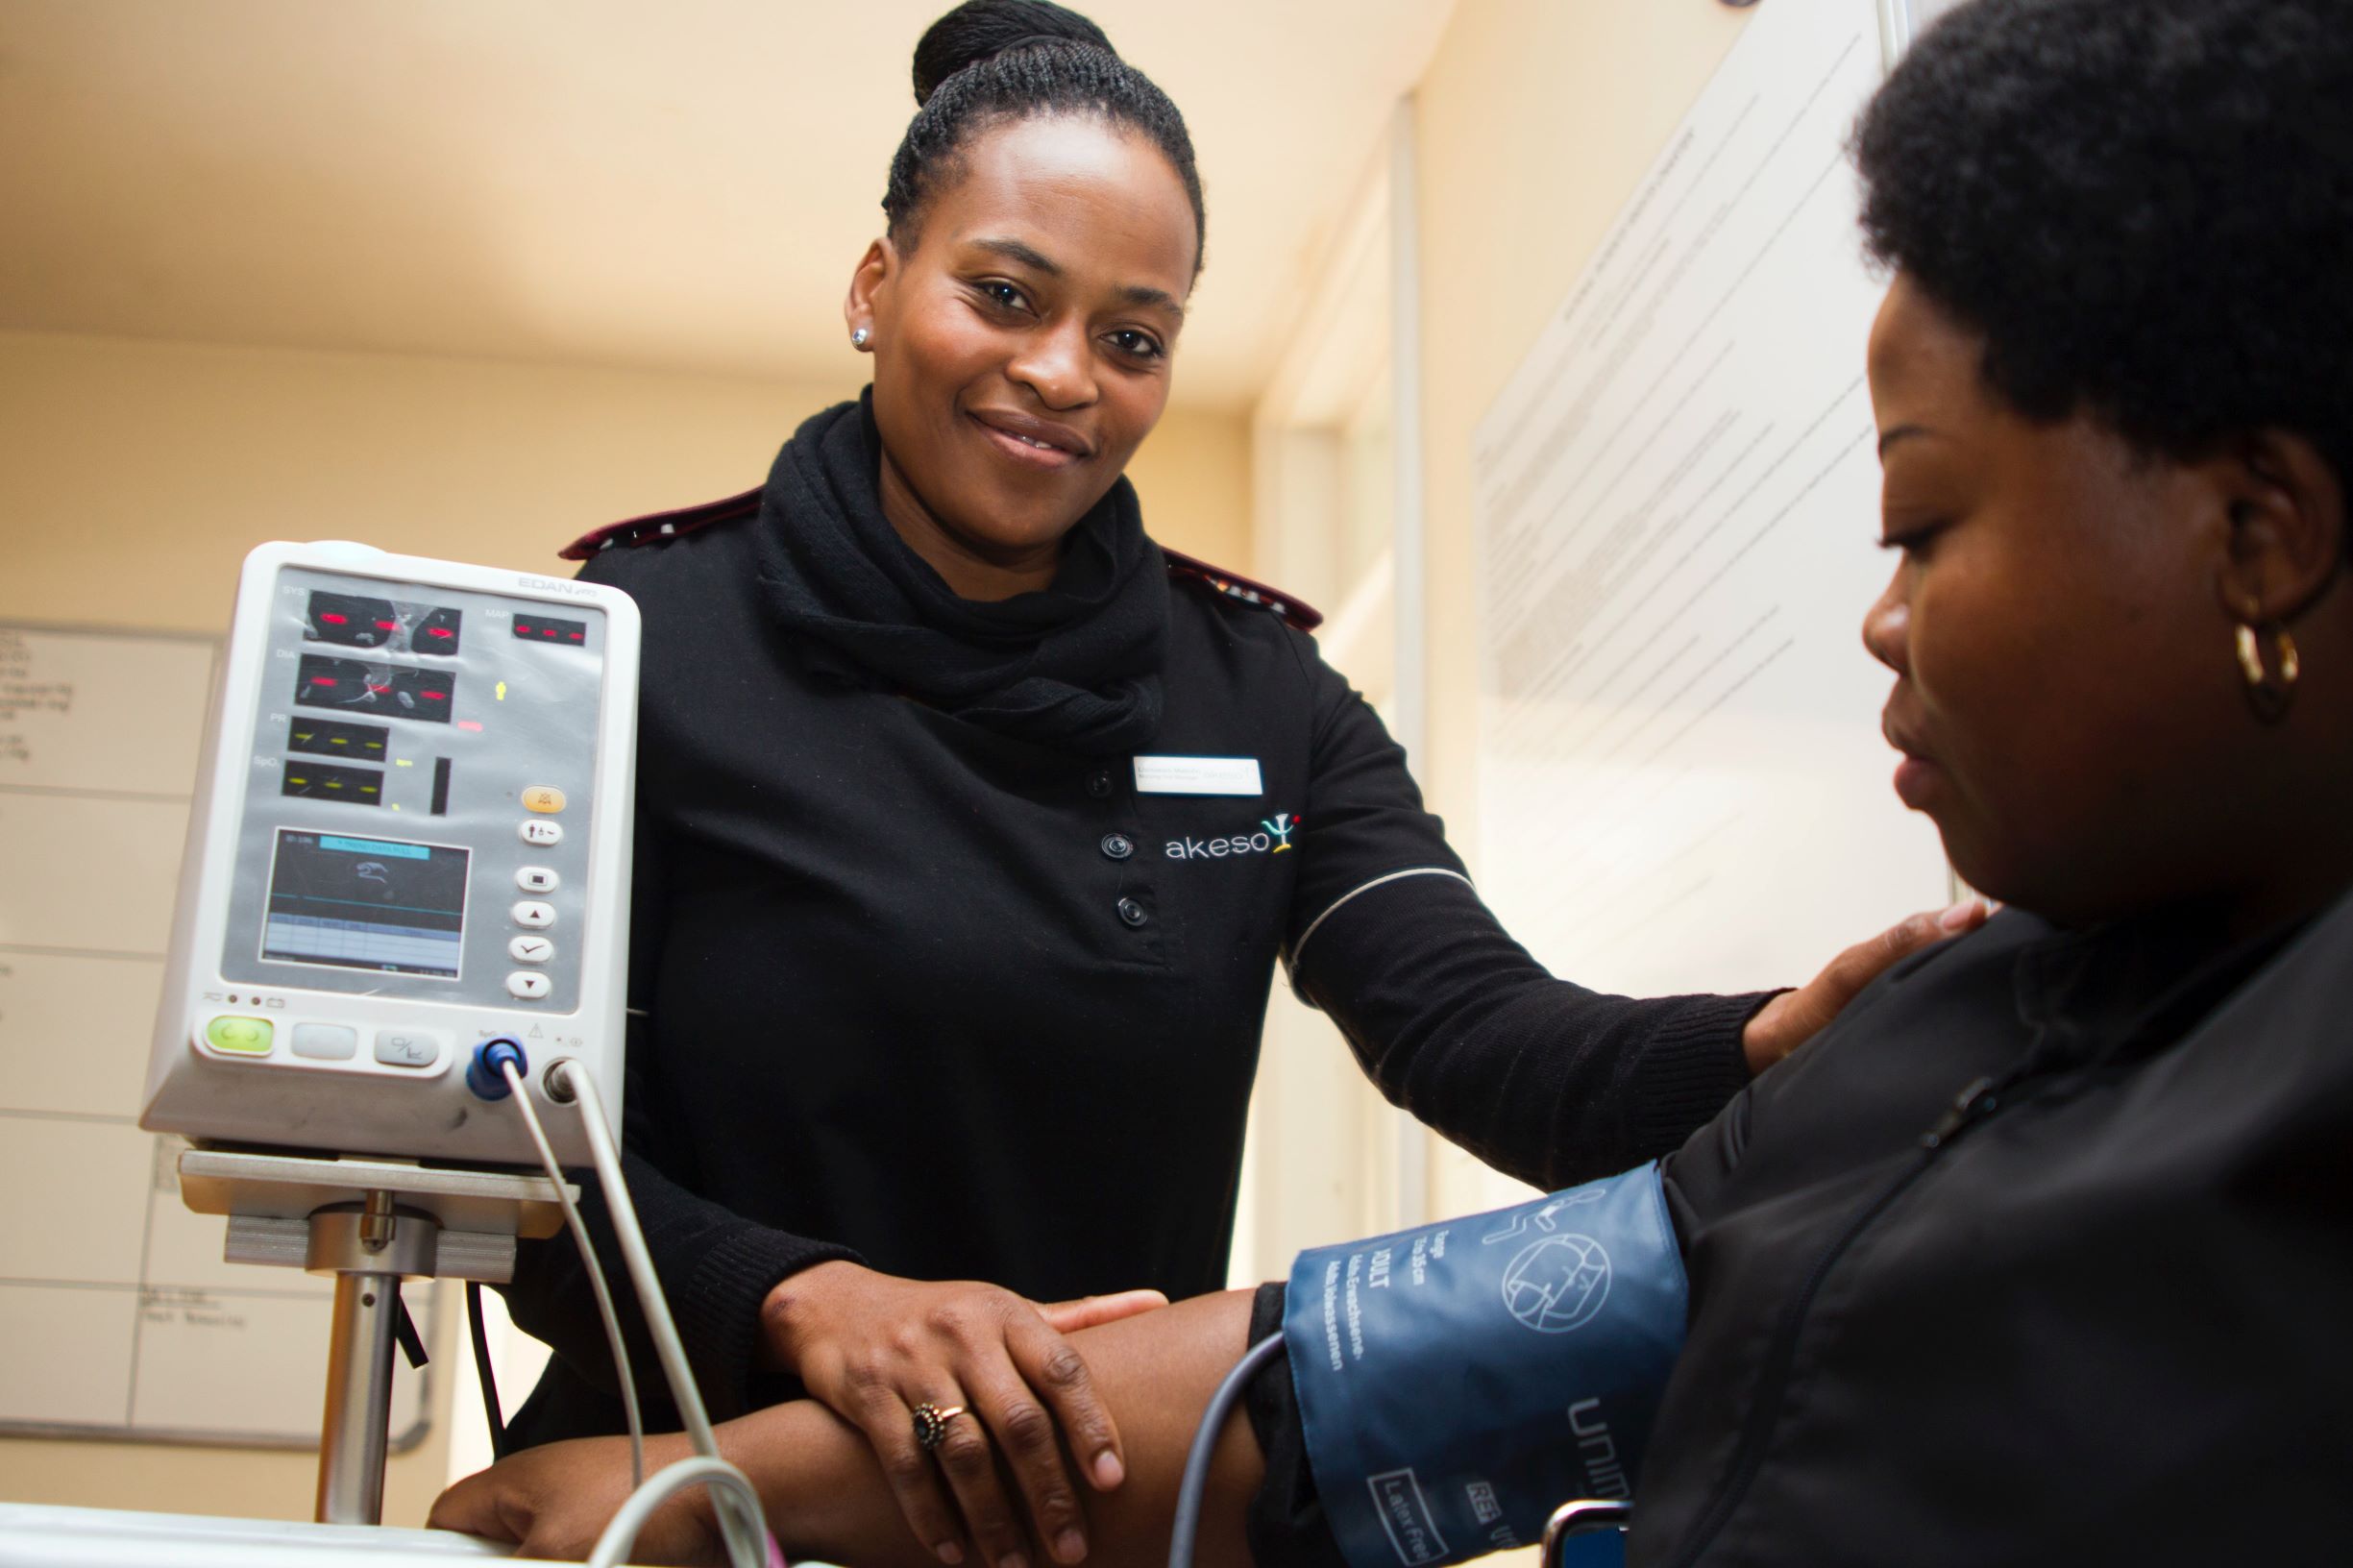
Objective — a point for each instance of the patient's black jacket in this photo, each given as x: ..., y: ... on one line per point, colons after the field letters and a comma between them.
x: 961, y: 1006
x: 2042, y: 1254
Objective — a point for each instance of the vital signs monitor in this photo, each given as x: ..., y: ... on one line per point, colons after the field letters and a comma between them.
x: 410, y: 838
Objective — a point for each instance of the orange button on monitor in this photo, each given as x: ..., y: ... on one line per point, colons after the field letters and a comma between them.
x: 544, y: 798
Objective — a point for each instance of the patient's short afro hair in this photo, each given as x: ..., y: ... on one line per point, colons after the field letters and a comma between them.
x: 2144, y: 205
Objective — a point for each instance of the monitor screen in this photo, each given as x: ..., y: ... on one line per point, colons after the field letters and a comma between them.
x: 357, y: 904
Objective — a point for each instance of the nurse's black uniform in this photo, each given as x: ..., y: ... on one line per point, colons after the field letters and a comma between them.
x: 922, y: 978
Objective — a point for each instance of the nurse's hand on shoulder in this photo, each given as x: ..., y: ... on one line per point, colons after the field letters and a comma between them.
x: 1795, y: 1016
x: 873, y: 1347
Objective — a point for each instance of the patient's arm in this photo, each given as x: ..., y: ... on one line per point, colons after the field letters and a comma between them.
x: 826, y: 1494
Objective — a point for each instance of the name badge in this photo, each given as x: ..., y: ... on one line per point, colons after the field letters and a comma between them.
x: 1198, y: 775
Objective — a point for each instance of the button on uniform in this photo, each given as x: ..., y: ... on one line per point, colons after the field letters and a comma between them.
x: 1117, y: 846
x: 1098, y: 784
x: 1132, y: 913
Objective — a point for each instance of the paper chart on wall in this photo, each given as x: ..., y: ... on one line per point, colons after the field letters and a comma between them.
x: 1681, y: 781
x: 118, y: 1317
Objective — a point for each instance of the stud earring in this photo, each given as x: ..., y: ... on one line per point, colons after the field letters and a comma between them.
x: 2269, y: 691
x: 858, y: 339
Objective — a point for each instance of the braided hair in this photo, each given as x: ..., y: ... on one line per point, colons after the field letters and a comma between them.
x: 991, y: 62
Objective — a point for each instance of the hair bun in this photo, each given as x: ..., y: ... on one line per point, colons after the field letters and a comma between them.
x: 981, y: 30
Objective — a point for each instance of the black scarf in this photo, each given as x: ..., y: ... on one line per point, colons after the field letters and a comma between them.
x: 1075, y: 666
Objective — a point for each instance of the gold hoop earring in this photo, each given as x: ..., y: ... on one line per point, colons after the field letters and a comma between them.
x: 2269, y: 692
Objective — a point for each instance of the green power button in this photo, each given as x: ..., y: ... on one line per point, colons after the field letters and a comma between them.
x: 250, y: 1036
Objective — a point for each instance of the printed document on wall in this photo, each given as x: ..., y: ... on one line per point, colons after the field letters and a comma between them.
x: 1682, y: 780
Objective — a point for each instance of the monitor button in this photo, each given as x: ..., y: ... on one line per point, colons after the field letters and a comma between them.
x: 407, y: 1048
x: 525, y: 985
x: 543, y: 798
x: 534, y: 914
x: 536, y: 880
x: 541, y: 833
x: 326, y: 1041
x: 245, y: 1037
x: 529, y: 949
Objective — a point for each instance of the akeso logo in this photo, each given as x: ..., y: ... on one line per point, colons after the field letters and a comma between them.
x: 1272, y: 838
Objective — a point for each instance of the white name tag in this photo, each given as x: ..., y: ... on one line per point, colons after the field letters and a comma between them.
x: 1198, y: 775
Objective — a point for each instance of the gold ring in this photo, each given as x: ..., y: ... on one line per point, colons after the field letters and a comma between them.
x: 931, y: 1424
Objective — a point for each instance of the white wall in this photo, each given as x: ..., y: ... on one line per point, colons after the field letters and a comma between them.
x: 1536, y: 120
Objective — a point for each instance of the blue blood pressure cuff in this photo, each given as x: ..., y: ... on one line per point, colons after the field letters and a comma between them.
x: 1458, y: 1383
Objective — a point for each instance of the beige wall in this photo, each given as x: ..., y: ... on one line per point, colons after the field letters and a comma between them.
x: 1535, y: 121
x: 135, y: 476
x: 238, y: 1482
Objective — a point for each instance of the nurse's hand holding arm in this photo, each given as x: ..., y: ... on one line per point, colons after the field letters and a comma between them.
x: 822, y: 1481
x: 872, y: 1347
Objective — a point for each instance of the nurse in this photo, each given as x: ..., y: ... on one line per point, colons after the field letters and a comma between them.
x: 972, y: 825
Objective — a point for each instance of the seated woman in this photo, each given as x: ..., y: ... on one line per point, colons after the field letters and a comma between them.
x: 2043, y: 1252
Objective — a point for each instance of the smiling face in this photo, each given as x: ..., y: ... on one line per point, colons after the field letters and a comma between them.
x: 2061, y: 623
x: 1023, y: 343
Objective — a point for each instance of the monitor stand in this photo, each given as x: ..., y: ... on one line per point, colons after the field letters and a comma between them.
x: 370, y: 1223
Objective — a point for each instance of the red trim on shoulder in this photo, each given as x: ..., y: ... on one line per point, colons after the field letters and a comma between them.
x: 653, y: 525
x: 1233, y: 585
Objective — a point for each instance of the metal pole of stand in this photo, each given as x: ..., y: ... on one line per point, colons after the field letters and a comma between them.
x: 353, y: 1438
x: 369, y: 1247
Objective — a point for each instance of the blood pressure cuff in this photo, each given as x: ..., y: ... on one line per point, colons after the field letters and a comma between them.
x: 1458, y: 1383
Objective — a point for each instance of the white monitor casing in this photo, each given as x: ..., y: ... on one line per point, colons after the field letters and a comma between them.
x: 410, y: 836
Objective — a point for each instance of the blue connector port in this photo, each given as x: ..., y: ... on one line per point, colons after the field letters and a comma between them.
x: 484, y: 1075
